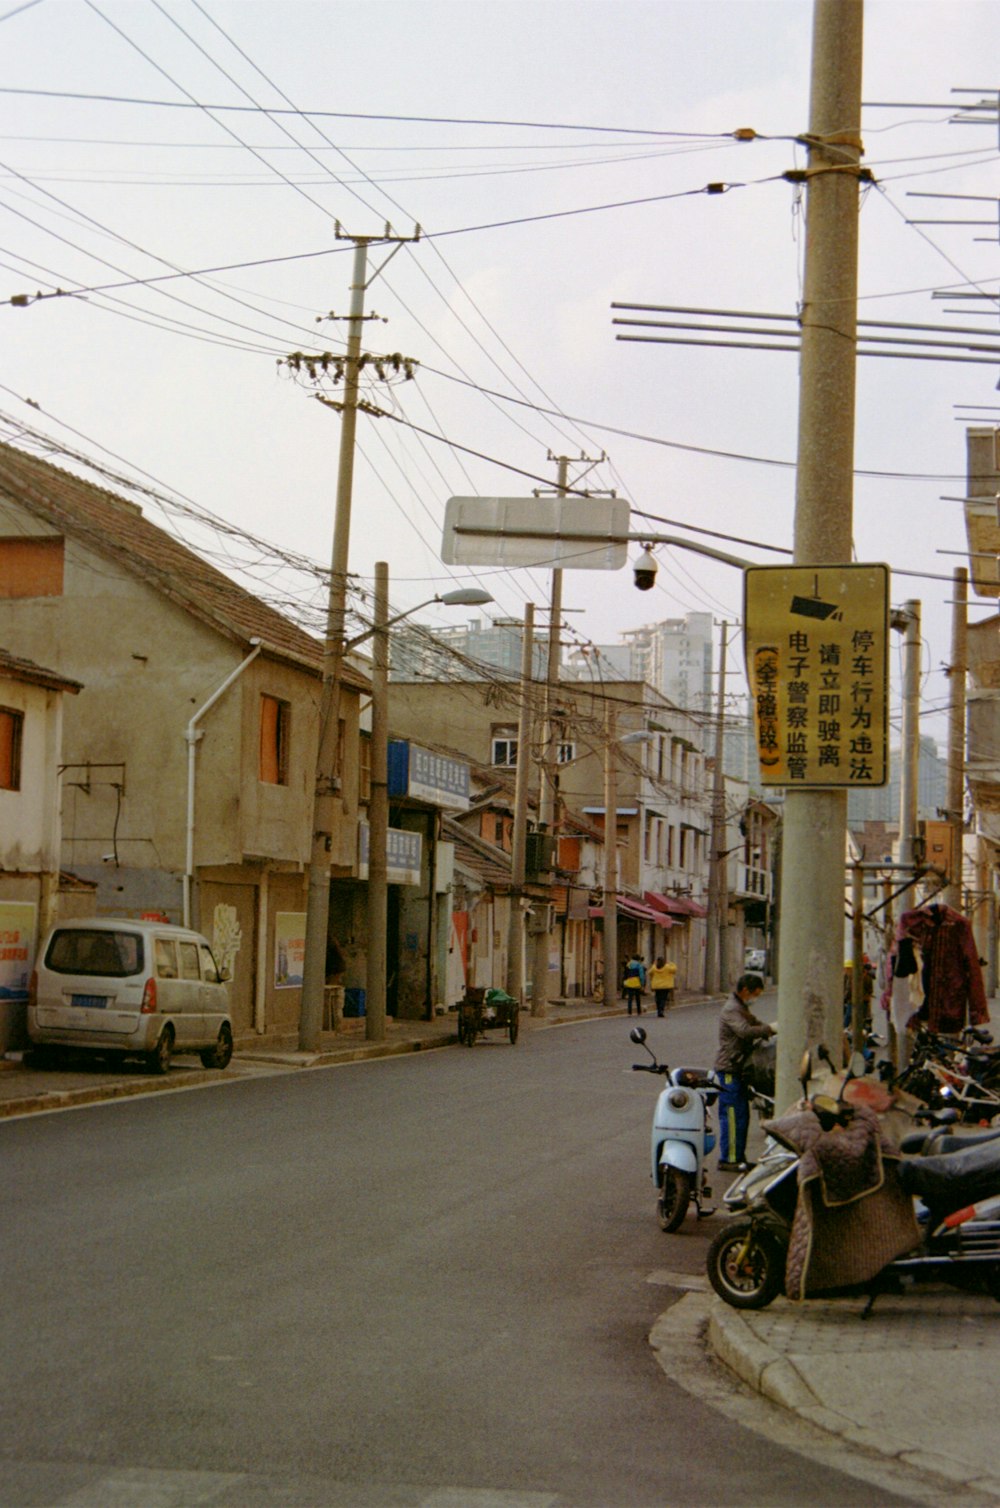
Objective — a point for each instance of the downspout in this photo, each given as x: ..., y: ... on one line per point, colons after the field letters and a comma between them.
x: 193, y: 737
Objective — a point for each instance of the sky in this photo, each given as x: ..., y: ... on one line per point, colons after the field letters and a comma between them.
x: 555, y: 155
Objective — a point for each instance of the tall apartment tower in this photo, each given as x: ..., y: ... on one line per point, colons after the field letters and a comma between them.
x: 674, y: 656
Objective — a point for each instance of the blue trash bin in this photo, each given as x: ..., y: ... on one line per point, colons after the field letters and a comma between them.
x: 354, y: 1002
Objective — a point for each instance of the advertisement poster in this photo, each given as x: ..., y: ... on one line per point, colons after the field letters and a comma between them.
x: 18, y: 923
x: 289, y: 949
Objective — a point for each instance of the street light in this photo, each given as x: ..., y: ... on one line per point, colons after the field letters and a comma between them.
x: 378, y: 803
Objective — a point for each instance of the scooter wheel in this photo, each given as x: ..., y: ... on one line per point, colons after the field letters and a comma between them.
x: 675, y: 1196
x: 746, y: 1265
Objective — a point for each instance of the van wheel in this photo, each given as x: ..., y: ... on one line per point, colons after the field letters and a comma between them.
x: 219, y: 1055
x: 158, y: 1061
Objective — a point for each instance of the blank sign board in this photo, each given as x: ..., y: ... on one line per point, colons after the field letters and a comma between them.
x: 571, y: 533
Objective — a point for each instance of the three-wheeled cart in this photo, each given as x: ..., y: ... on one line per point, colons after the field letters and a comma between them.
x: 481, y: 1011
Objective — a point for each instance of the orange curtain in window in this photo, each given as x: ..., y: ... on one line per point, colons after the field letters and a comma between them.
x: 270, y: 769
x: 8, y: 747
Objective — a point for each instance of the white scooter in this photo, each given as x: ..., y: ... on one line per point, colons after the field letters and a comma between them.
x: 683, y: 1137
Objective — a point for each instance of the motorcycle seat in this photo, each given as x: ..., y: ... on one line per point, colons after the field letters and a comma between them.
x: 937, y: 1140
x: 952, y: 1179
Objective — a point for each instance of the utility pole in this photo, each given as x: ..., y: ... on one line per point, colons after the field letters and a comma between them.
x: 515, y: 926
x: 548, y: 763
x: 547, y: 767
x: 610, y: 907
x: 956, y: 734
x: 715, y: 959
x: 327, y: 779
x: 810, y: 992
x: 909, y: 752
x: 378, y: 815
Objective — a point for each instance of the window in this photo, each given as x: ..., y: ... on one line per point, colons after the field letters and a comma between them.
x: 189, y: 960
x: 31, y: 567
x: 82, y: 950
x: 166, y: 959
x: 565, y: 753
x: 209, y: 970
x: 504, y: 745
x: 275, y: 717
x: 11, y: 731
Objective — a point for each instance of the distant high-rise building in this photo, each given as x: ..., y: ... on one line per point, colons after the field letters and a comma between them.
x: 674, y: 656
x: 882, y: 804
x: 462, y: 653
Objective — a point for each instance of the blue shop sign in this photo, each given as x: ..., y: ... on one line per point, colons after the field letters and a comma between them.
x: 404, y: 851
x: 424, y: 776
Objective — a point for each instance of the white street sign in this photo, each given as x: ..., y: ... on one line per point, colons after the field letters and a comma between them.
x: 571, y: 533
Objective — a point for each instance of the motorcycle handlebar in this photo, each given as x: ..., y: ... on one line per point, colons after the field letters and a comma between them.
x: 650, y: 1068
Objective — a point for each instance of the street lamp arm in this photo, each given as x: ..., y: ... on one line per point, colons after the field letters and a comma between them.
x: 463, y: 597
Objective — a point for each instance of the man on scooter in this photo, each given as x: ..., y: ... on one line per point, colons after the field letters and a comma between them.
x: 739, y: 1029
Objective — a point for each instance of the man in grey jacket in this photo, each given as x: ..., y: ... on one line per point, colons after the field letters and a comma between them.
x: 739, y: 1030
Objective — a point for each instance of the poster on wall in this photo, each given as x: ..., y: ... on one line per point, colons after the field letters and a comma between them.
x: 18, y: 924
x: 289, y: 949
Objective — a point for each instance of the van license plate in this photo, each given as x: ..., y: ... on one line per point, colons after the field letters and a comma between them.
x: 90, y: 1002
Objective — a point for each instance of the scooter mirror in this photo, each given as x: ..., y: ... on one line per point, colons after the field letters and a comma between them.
x: 637, y: 1035
x: 857, y: 1067
x: 805, y: 1070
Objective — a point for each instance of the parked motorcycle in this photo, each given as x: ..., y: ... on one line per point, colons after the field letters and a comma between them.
x: 849, y: 1212
x: 682, y: 1137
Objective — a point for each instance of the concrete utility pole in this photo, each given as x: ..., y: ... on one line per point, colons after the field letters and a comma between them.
x: 715, y: 950
x: 810, y: 993
x: 378, y: 815
x: 956, y: 734
x: 909, y: 750
x: 609, y: 924
x: 515, y: 928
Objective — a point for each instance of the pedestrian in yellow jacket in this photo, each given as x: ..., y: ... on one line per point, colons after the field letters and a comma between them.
x: 662, y: 978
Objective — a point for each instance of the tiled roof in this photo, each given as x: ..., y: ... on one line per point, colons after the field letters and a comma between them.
x: 16, y: 669
x: 488, y: 863
x: 116, y: 528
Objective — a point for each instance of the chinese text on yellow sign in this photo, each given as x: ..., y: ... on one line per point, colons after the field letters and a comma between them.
x: 817, y: 647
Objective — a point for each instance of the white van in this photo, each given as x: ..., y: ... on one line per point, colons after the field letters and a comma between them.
x: 130, y: 988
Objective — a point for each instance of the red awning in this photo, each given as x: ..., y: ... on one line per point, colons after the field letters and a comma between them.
x: 636, y: 910
x: 676, y: 905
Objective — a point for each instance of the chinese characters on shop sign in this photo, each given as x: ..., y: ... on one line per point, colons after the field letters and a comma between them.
x: 817, y: 645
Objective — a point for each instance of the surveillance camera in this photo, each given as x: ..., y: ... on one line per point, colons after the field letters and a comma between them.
x: 645, y: 571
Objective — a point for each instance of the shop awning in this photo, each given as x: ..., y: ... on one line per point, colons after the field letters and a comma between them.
x: 627, y: 906
x: 674, y: 905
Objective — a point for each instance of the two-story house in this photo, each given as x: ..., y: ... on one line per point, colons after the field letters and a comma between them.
x: 189, y: 756
x: 31, y: 712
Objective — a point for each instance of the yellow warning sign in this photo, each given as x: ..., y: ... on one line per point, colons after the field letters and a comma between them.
x: 817, y: 652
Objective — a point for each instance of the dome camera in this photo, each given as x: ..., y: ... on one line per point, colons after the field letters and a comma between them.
x: 645, y: 571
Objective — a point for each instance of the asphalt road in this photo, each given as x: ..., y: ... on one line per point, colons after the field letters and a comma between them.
x: 419, y: 1281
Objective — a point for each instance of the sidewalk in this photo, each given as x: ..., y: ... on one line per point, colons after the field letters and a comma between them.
x: 914, y: 1382
x: 25, y: 1090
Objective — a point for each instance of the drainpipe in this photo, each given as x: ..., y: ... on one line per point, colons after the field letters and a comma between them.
x: 193, y: 737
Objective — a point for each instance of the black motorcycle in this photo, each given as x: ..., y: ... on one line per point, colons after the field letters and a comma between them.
x: 851, y: 1213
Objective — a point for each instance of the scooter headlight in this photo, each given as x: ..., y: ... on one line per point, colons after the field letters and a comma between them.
x: 678, y: 1099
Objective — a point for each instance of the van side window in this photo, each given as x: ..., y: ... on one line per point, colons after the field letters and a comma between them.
x: 166, y: 959
x: 189, y: 960
x: 208, y: 967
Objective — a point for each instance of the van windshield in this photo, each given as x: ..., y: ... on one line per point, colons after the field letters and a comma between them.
x: 79, y: 950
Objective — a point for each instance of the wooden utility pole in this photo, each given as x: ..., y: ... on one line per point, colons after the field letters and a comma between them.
x: 327, y: 776
x: 515, y: 928
x: 810, y: 993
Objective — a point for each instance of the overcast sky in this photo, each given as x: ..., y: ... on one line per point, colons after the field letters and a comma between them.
x: 498, y: 122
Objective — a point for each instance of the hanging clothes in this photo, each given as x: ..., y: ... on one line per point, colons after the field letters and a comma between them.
x: 950, y: 972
